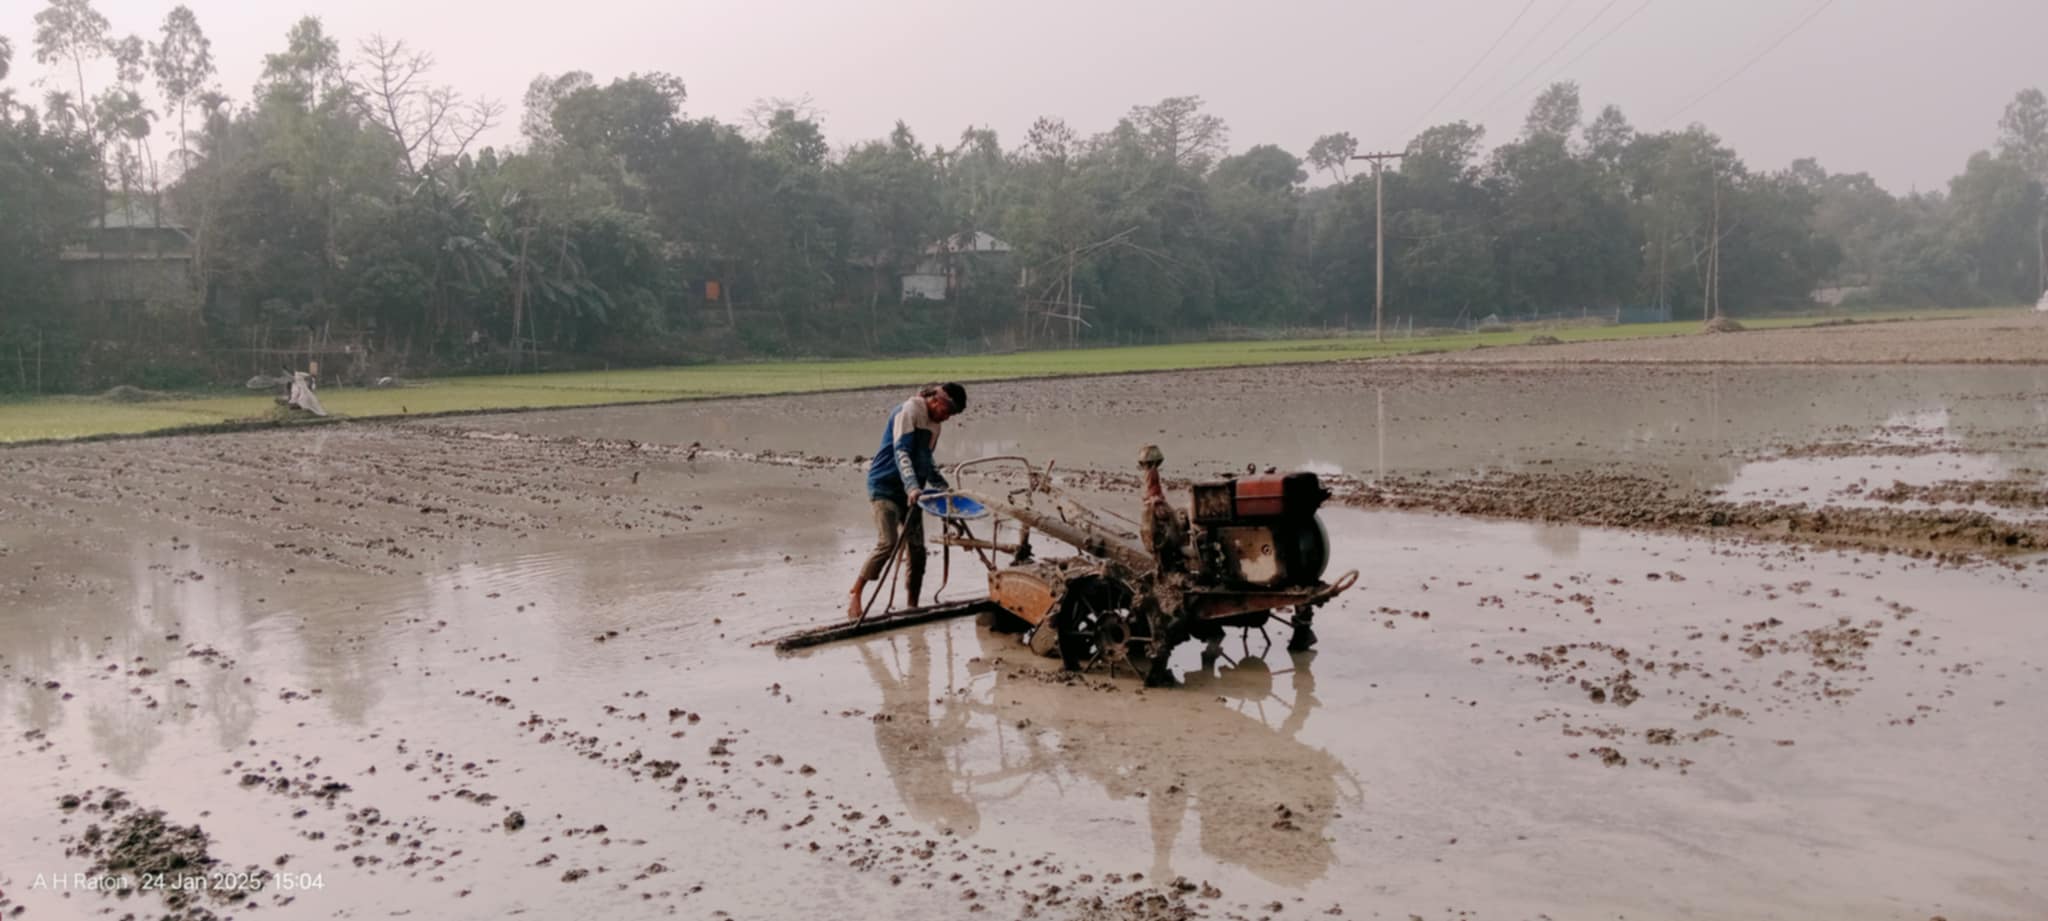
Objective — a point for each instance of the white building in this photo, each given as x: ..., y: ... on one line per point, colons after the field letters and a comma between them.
x: 937, y: 274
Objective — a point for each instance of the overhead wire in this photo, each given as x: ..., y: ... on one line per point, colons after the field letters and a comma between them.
x: 1581, y: 55
x: 1495, y: 101
x: 1773, y: 46
x: 1530, y: 43
x: 1604, y: 36
x: 1426, y: 113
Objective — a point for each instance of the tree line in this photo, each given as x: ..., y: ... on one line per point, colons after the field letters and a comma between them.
x: 347, y: 192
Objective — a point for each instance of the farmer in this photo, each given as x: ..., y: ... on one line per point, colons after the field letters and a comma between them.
x: 903, y: 469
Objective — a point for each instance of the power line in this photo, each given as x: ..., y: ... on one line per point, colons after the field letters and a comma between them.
x: 1773, y: 46
x: 1554, y: 17
x: 1554, y: 53
x: 1426, y: 113
x: 1604, y: 36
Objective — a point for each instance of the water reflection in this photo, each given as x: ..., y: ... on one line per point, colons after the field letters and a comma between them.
x: 1224, y: 751
x: 915, y: 739
x: 1917, y: 447
x: 1268, y: 808
x: 115, y: 634
x: 1696, y: 424
x: 1561, y: 540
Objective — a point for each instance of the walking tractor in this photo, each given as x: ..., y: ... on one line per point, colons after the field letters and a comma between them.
x: 1245, y: 549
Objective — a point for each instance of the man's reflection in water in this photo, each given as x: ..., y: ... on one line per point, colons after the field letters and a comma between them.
x: 914, y: 746
x: 1262, y: 799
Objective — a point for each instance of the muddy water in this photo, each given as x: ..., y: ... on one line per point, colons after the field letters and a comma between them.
x: 463, y: 628
x: 1421, y: 770
x: 177, y: 676
x: 1702, y: 425
x: 1915, y: 449
x: 1417, y: 764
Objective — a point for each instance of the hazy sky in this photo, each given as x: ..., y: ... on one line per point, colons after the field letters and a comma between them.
x: 1902, y: 89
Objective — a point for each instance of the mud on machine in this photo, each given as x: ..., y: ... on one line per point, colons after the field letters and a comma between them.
x: 1243, y: 550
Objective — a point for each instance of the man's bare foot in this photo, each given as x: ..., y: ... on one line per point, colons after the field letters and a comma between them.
x: 853, y: 606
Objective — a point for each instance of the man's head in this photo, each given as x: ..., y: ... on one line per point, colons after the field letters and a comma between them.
x: 944, y: 401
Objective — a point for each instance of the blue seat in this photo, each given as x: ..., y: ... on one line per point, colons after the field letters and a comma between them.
x: 952, y: 506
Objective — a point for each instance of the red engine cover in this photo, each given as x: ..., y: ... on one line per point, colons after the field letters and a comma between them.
x: 1261, y: 496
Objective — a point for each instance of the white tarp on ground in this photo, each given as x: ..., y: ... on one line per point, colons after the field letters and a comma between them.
x: 302, y: 394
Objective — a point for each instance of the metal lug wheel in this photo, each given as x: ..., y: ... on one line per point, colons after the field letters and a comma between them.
x: 1097, y: 626
x: 1123, y: 639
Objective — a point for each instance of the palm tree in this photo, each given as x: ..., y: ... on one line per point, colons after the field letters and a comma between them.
x: 61, y: 111
x: 125, y: 120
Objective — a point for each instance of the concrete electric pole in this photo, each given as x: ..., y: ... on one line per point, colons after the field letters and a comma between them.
x: 1379, y: 246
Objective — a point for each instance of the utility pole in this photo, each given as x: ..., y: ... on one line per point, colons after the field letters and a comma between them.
x: 1714, y: 257
x: 1379, y: 245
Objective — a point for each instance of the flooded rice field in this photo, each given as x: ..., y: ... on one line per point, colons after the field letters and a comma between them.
x: 1703, y: 425
x: 506, y: 665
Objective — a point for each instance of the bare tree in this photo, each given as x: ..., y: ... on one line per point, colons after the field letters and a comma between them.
x: 430, y: 122
x: 761, y: 115
x: 1180, y: 132
x: 1049, y: 138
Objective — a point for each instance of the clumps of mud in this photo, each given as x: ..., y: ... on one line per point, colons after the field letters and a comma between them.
x: 1021, y: 672
x: 1628, y: 501
x: 1611, y: 755
x: 799, y: 808
x: 2014, y: 494
x: 1864, y: 449
x: 1721, y: 325
x: 1568, y: 662
x: 1836, y: 653
x: 148, y: 855
x: 1619, y: 688
x: 1541, y: 339
x: 1170, y: 904
x: 1836, y: 647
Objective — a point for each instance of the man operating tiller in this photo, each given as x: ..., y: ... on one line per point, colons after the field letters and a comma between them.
x: 902, y: 470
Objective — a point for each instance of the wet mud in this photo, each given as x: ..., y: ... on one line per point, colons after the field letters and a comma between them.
x: 477, y: 670
x: 2013, y: 494
x: 135, y: 854
x: 1621, y: 501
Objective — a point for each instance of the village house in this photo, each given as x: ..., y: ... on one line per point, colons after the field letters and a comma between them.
x: 135, y: 264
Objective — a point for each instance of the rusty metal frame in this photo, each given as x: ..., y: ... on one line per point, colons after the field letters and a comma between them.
x: 1165, y: 597
x: 1218, y: 604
